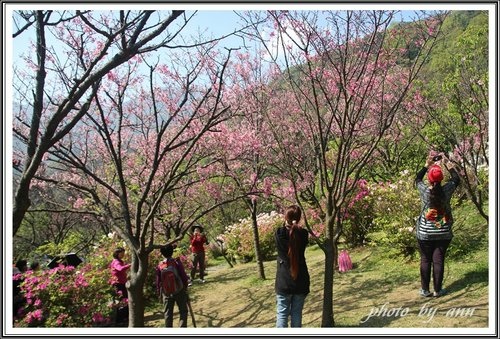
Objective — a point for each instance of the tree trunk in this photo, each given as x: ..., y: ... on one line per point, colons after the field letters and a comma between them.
x: 256, y: 242
x: 227, y: 260
x: 21, y: 205
x: 327, y: 316
x: 34, y: 158
x: 135, y: 288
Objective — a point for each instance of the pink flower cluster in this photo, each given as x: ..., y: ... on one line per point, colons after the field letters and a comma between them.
x: 65, y: 297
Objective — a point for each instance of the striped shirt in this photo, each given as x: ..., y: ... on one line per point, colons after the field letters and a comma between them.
x: 427, y: 230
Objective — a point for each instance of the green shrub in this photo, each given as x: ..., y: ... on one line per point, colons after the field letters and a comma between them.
x: 215, y: 250
x: 396, y: 206
x: 238, y: 240
x: 470, y: 231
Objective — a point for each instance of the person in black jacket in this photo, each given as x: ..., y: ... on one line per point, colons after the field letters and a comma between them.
x: 292, y: 277
x: 434, y: 225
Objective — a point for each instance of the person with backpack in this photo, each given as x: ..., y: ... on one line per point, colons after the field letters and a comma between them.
x: 171, y: 286
x: 292, y: 276
x: 197, y: 240
x: 434, y: 224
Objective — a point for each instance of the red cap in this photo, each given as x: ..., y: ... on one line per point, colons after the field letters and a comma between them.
x: 435, y: 174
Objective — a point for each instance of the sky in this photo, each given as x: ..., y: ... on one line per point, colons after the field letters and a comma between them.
x: 217, y: 19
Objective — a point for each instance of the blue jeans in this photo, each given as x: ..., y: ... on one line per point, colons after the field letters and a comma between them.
x: 289, y: 305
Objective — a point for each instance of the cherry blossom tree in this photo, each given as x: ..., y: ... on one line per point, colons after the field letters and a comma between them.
x: 245, y: 140
x: 139, y: 141
x: 401, y: 147
x: 73, y: 51
x: 349, y: 78
x: 460, y: 123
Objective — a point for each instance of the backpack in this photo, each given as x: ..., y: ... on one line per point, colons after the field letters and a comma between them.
x: 170, y: 280
x: 345, y: 263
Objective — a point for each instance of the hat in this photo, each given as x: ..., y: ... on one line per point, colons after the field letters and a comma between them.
x: 167, y: 250
x: 197, y: 226
x: 435, y: 174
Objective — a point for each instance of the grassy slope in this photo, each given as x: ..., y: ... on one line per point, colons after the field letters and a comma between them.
x: 234, y: 297
x: 379, y: 284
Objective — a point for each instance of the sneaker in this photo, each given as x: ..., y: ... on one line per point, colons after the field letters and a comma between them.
x: 425, y: 293
x: 440, y: 293
x: 190, y: 283
x: 202, y: 280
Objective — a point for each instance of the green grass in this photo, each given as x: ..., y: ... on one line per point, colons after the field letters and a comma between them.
x: 369, y: 296
x: 235, y: 297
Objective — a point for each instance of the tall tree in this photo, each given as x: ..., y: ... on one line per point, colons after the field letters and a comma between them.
x: 349, y: 77
x: 74, y: 51
x: 457, y: 104
x: 245, y: 143
x: 141, y: 139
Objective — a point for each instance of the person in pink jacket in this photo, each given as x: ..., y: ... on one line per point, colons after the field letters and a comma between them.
x: 118, y: 279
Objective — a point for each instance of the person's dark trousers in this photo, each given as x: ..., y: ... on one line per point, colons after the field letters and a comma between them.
x: 168, y: 303
x: 121, y: 290
x: 432, y: 253
x: 198, y: 261
x: 122, y: 311
x: 19, y: 302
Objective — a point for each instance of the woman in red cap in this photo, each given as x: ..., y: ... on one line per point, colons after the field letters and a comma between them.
x: 434, y: 225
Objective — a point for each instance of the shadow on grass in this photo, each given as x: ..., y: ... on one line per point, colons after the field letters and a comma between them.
x: 231, y: 274
x: 249, y: 313
x: 378, y: 291
x: 253, y: 309
x: 465, y: 284
x: 155, y: 317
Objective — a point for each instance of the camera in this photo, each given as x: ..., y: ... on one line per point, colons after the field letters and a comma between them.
x: 437, y: 157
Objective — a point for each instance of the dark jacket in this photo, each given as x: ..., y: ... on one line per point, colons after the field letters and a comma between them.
x: 284, y: 284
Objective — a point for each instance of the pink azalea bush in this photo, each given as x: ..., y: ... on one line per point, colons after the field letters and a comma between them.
x: 358, y: 216
x: 69, y: 296
x: 66, y: 297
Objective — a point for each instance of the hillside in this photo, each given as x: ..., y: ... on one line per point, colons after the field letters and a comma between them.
x: 386, y: 287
